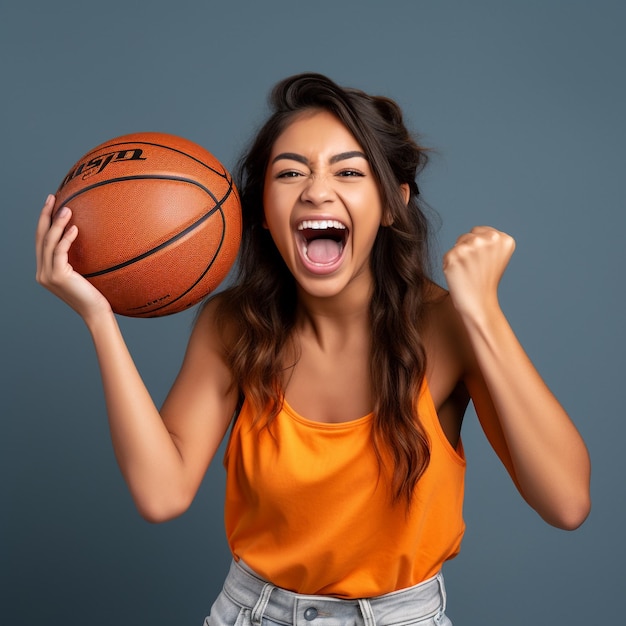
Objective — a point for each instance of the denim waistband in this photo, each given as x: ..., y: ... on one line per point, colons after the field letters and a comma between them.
x: 242, y: 586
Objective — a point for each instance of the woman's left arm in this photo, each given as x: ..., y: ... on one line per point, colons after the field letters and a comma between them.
x: 530, y: 430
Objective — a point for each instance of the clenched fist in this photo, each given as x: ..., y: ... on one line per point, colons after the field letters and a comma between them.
x: 473, y: 269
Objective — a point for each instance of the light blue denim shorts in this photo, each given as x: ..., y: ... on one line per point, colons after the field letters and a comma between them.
x: 247, y: 600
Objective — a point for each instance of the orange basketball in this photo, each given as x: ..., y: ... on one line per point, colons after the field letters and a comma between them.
x: 159, y: 222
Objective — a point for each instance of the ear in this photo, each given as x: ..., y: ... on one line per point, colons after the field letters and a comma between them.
x: 406, y: 192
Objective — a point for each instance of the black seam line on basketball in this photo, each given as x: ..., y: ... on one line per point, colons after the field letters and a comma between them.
x: 217, y: 207
x: 159, y: 145
x: 202, y: 275
x: 123, y: 179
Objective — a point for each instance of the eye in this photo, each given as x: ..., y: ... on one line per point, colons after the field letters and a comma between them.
x: 288, y: 174
x: 350, y: 173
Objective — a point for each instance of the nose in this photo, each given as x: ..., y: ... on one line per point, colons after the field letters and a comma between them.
x: 317, y: 190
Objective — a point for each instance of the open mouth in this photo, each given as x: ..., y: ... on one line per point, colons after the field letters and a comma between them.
x: 322, y: 241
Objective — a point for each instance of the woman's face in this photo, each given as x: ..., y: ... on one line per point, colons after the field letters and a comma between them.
x: 322, y: 204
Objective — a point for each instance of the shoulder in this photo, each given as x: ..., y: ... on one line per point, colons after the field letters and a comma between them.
x: 216, y: 323
x: 448, y: 350
x: 210, y: 343
x: 440, y: 321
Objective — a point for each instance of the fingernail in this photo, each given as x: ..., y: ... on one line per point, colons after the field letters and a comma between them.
x: 49, y: 197
x: 63, y: 211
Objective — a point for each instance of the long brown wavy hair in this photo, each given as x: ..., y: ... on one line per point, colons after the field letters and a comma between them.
x: 261, y: 306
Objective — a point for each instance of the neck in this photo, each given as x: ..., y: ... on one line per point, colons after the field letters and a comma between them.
x: 335, y: 320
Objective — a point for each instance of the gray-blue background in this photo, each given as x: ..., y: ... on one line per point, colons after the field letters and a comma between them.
x: 524, y: 103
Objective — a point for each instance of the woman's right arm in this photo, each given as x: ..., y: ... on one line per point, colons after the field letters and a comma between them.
x: 163, y: 455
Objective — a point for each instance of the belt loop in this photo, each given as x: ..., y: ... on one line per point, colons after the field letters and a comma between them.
x: 366, y: 611
x: 261, y: 603
x: 442, y: 590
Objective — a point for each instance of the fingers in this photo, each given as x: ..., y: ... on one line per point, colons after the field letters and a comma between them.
x: 473, y: 268
x: 477, y: 232
x: 53, y: 241
x: 61, y: 250
x: 43, y: 225
x: 483, y: 251
x: 54, y: 238
x: 481, y: 236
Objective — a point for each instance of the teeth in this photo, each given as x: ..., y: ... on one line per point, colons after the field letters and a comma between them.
x: 321, y: 225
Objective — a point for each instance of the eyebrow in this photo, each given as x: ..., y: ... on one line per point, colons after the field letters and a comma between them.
x: 342, y: 156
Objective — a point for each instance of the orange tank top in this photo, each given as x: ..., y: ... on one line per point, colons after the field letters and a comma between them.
x: 308, y: 509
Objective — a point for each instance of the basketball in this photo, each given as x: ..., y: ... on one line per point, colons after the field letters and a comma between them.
x: 159, y: 222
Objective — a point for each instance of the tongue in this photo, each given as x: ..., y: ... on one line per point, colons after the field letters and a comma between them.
x: 323, y: 250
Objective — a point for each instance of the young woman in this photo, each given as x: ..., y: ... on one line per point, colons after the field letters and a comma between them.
x: 344, y: 372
